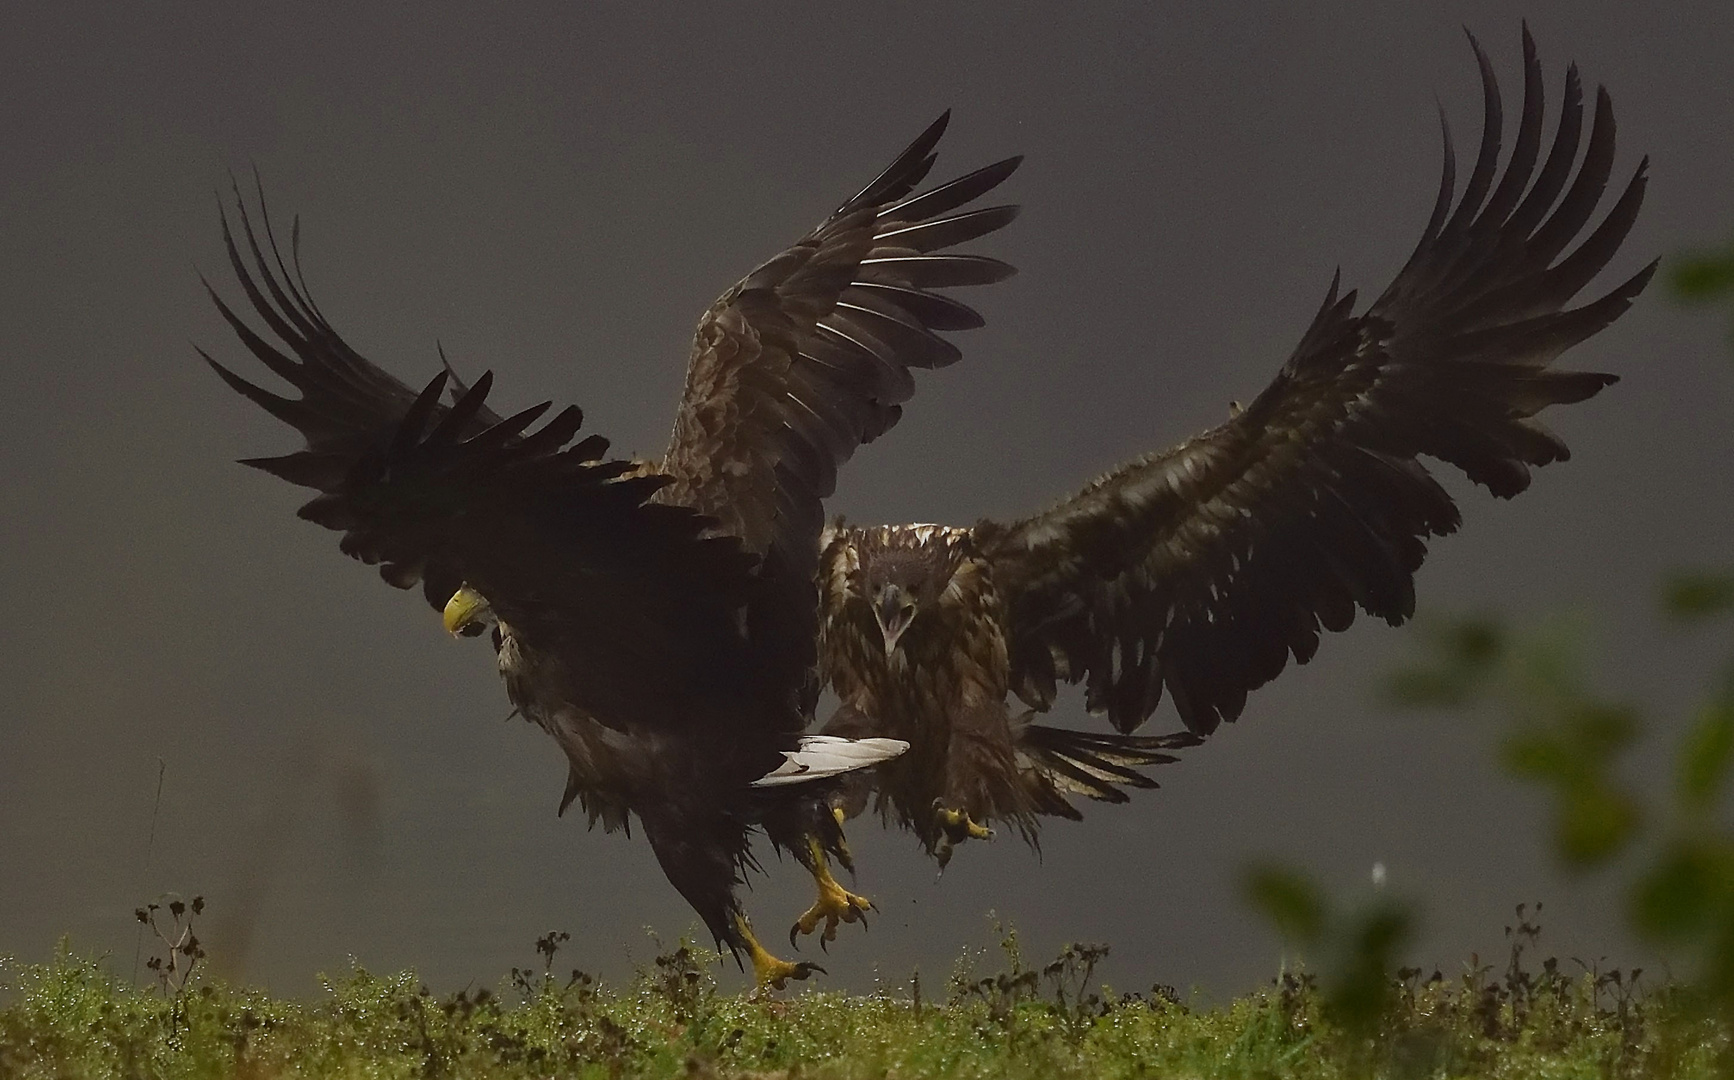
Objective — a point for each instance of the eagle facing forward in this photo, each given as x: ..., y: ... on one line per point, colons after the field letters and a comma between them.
x: 1201, y: 570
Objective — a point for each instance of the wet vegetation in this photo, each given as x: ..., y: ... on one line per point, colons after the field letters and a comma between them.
x: 72, y: 1017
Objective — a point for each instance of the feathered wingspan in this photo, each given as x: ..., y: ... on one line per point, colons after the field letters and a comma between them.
x: 448, y: 494
x: 1204, y: 568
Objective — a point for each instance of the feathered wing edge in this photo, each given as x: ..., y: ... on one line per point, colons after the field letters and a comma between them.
x: 1203, y: 569
x: 810, y: 355
x: 1062, y: 762
x: 400, y: 474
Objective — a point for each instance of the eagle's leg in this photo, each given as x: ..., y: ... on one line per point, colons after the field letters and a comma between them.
x: 769, y: 973
x: 840, y: 815
x: 834, y: 905
x: 702, y: 854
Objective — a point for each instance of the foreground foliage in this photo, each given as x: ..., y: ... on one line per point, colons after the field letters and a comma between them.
x: 1567, y: 736
x: 72, y: 1018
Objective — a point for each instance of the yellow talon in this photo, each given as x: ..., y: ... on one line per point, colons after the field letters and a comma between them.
x: 961, y: 826
x: 834, y: 905
x: 770, y: 973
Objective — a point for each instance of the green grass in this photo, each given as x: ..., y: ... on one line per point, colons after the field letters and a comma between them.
x: 72, y: 1018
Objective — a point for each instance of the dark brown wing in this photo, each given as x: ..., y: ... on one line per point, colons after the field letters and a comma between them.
x: 551, y: 533
x: 1204, y: 568
x: 809, y: 356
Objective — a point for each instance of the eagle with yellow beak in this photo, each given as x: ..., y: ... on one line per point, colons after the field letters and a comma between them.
x: 658, y: 620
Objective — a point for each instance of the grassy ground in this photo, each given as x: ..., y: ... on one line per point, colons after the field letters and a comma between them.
x: 72, y: 1018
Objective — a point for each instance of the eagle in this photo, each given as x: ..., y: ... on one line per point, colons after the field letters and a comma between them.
x: 1202, y: 569
x: 658, y: 619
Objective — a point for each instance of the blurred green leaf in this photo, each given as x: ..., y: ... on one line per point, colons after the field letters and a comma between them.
x: 1600, y: 731
x: 1541, y: 755
x: 1594, y: 822
x: 1464, y: 653
x: 1289, y: 900
x: 1359, y: 992
x: 1681, y: 895
x: 1429, y: 688
x: 1474, y: 643
x: 1702, y: 276
x: 1697, y: 594
x: 1705, y: 756
x: 1546, y: 668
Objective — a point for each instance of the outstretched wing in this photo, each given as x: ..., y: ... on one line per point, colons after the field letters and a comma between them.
x: 446, y: 494
x: 809, y: 356
x: 1204, y: 568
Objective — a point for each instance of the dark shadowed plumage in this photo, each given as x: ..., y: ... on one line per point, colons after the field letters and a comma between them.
x: 1202, y: 569
x: 659, y: 621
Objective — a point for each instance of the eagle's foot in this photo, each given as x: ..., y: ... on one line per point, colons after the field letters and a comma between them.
x: 955, y: 826
x: 770, y: 973
x: 834, y: 905
x: 958, y: 825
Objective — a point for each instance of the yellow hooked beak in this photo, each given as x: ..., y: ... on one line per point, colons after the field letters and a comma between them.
x: 894, y: 609
x: 463, y: 612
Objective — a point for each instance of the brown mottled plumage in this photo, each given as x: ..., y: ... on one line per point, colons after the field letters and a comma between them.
x: 913, y: 641
x: 661, y: 622
x: 1204, y: 568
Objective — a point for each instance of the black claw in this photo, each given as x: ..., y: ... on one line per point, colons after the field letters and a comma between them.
x: 807, y: 968
x: 794, y: 942
x: 824, y: 944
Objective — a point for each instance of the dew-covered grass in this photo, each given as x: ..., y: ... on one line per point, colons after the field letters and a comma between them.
x: 73, y: 1018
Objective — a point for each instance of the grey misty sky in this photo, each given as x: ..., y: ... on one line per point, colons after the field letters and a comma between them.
x: 555, y: 191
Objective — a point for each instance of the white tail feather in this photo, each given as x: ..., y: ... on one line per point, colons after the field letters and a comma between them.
x: 820, y: 756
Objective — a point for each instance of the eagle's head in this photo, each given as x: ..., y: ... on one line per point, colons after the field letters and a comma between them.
x: 904, y: 571
x: 468, y: 613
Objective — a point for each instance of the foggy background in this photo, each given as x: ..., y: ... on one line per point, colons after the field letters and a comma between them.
x: 556, y: 192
